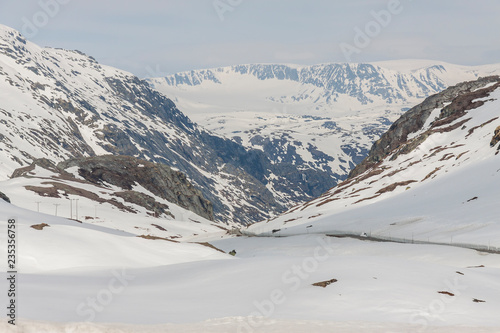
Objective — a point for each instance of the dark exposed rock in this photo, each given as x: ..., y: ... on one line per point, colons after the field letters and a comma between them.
x: 496, y: 137
x: 4, y: 197
x: 126, y: 172
x: 41, y: 162
x: 40, y: 226
x: 146, y: 201
x: 324, y: 284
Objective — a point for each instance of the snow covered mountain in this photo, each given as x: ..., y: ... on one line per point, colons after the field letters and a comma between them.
x: 319, y: 118
x: 60, y: 104
x: 433, y: 176
x: 135, y: 254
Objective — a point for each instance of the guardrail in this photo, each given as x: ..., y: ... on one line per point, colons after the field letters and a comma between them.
x: 375, y: 238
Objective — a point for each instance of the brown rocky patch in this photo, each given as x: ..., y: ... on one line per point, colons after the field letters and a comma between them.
x: 461, y: 154
x: 447, y: 157
x: 369, y: 198
x: 158, y: 227
x: 392, y: 173
x: 361, y: 189
x: 56, y: 188
x: 392, y: 187
x: 40, y: 226
x: 324, y: 284
x: 431, y: 173
x: 451, y: 127
x: 326, y: 201
x: 496, y: 137
x: 446, y: 293
x: 479, y: 126
x: 157, y: 238
x: 210, y: 246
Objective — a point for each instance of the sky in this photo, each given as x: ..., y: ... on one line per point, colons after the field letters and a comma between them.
x: 153, y: 38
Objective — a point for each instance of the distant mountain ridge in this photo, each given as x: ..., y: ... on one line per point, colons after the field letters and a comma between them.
x: 359, y: 80
x: 320, y: 118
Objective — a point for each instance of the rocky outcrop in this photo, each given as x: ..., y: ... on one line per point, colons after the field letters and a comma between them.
x: 127, y: 172
x: 4, y: 197
x: 496, y: 138
x: 454, y: 102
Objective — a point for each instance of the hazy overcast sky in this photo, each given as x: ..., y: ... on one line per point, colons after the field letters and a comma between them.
x: 156, y: 37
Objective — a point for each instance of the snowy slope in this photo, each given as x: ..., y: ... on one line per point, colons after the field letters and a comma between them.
x: 437, y: 181
x: 322, y: 117
x: 50, y: 193
x: 69, y: 245
x: 391, y: 286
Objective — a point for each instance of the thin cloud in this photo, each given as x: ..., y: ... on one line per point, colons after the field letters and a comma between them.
x: 181, y: 35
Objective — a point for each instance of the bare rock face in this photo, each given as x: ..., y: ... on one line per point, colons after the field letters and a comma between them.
x: 459, y: 98
x: 496, y: 137
x: 127, y: 172
x: 4, y: 197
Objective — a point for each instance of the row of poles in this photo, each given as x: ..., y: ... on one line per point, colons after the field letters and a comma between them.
x: 71, y: 208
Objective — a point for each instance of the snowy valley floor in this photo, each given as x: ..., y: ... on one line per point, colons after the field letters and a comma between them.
x: 233, y: 325
x: 268, y: 287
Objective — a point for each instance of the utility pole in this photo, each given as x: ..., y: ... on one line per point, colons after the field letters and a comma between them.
x: 76, y: 209
x: 38, y: 206
x: 57, y: 205
x: 71, y: 208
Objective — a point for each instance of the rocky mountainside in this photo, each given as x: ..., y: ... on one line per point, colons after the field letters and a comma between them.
x: 60, y: 104
x: 125, y: 173
x: 120, y: 192
x: 433, y: 174
x: 322, y: 117
x: 453, y: 102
